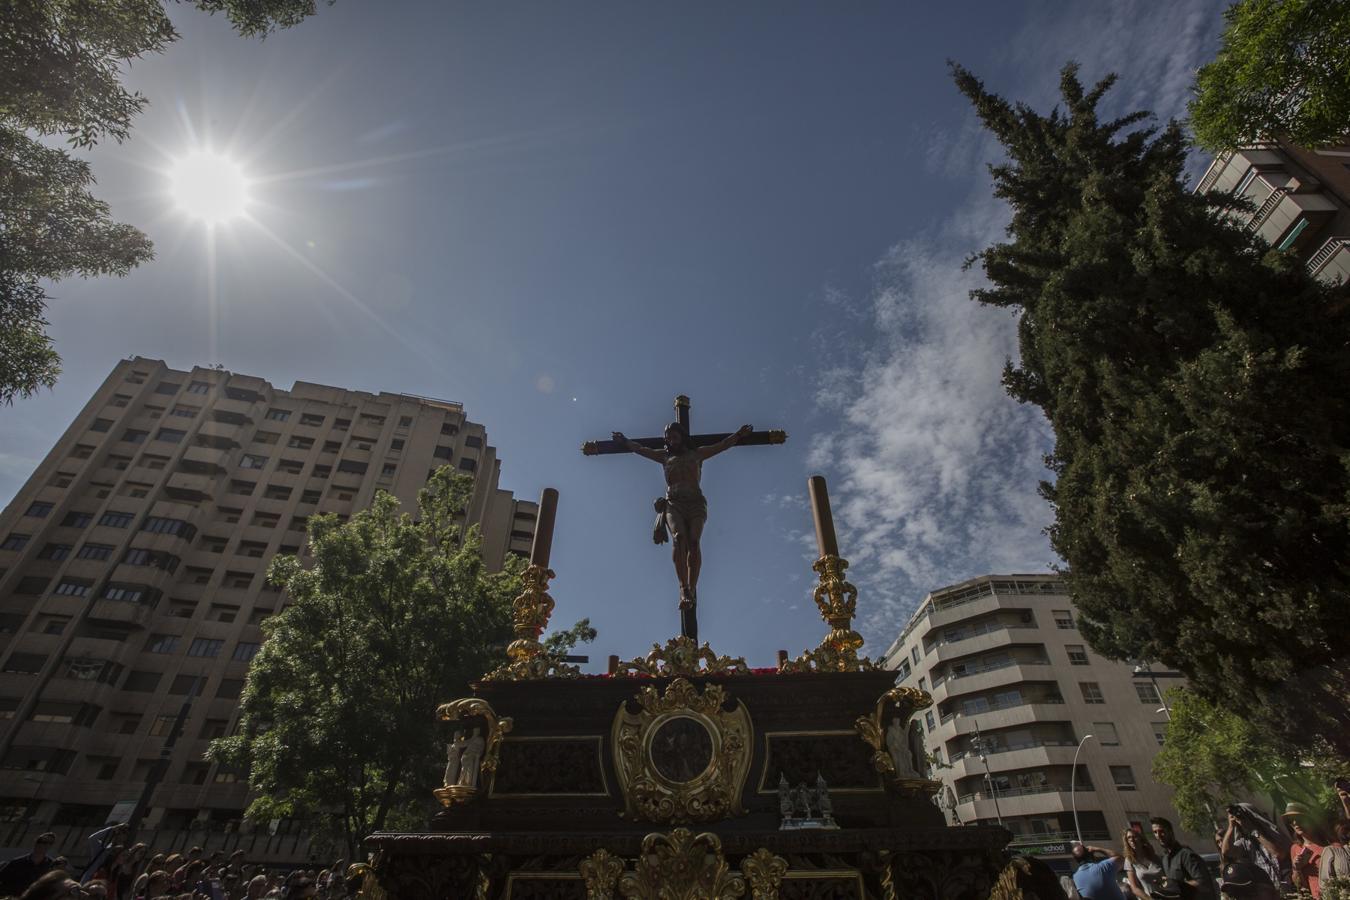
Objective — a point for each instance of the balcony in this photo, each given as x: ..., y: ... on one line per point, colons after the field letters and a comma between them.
x: 228, y: 412
x: 1028, y: 755
x: 1030, y: 801
x: 1025, y: 711
x: 190, y: 488
x: 206, y: 459
x: 1283, y: 211
x: 120, y: 612
x: 1331, y: 263
x: 985, y: 678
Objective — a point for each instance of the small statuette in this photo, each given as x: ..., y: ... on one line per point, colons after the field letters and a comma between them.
x: 805, y: 807
x: 898, y: 746
x: 453, y: 751
x: 471, y: 759
x: 784, y: 797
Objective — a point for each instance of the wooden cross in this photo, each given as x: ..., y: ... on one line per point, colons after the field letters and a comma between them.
x: 688, y: 611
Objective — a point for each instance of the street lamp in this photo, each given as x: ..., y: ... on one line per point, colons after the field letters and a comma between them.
x: 977, y: 744
x: 1146, y: 668
x: 1073, y: 787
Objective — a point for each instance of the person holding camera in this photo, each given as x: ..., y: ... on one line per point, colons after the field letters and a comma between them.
x: 1253, y: 839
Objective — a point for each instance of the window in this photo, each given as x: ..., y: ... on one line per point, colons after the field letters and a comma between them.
x: 114, y: 519
x: 310, y: 419
x: 1063, y: 618
x: 1123, y: 776
x: 119, y: 462
x: 74, y: 587
x: 182, y: 609
x: 55, y: 551
x: 1092, y: 692
x: 25, y: 663
x: 186, y: 412
x: 238, y: 579
x: 213, y: 728
x: 914, y: 654
x: 162, y: 643
x: 137, y: 556
x: 298, y: 523
x: 101, y: 425
x: 388, y: 470
x: 266, y: 520
x: 277, y: 492
x: 468, y: 465
x: 310, y: 497
x: 125, y: 723
x: 212, y: 544
x: 84, y: 451
x: 138, y: 680
x: 396, y: 445
x: 197, y: 575
x: 244, y: 394
x: 104, y: 769
x: 405, y: 421
x: 923, y: 686
x: 321, y: 472
x: 290, y: 466
x: 120, y: 400
x: 134, y: 436
x: 444, y: 452
x: 1147, y: 692
x: 1077, y: 655
x: 450, y: 428
x: 342, y: 424
x: 76, y: 519
x: 135, y: 489
x: 176, y: 527
x: 208, y: 647
x: 252, y: 461
x: 230, y: 688
x: 300, y: 443
x: 39, y: 510
x: 265, y: 437
x: 278, y: 415
x: 252, y: 549
x: 244, y: 651
x: 61, y: 479
x: 198, y: 387
x: 125, y: 593
x: 1160, y: 733
x: 930, y: 720
x: 162, y: 725
x: 352, y: 466
x: 31, y: 584
x: 257, y: 614
x: 340, y: 492
x: 15, y: 541
x: 194, y: 773
x: 154, y: 462
x: 170, y: 435
x: 222, y: 612
x: 473, y: 441
x: 54, y: 624
x: 244, y: 488
x: 229, y: 515
x: 332, y: 446
x: 369, y: 419
x: 1293, y: 234
x: 167, y: 387
x: 137, y: 377
x: 1106, y: 734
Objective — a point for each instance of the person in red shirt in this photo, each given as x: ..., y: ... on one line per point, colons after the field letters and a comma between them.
x: 1305, y: 853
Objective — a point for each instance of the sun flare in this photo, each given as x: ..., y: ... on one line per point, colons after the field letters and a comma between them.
x: 209, y: 186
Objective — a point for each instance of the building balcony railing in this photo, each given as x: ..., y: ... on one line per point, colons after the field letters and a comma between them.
x: 1019, y: 792
x: 994, y: 707
x: 1331, y: 260
x: 971, y: 671
x: 120, y: 612
x: 1009, y: 748
x: 1214, y: 171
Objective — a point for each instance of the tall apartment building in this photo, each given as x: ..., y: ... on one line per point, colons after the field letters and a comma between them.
x: 132, y: 570
x: 1015, y: 693
x: 1301, y: 196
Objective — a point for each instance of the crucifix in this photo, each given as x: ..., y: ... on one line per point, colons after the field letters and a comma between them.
x: 683, y: 510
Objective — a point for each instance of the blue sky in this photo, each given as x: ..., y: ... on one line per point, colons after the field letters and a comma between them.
x: 563, y: 215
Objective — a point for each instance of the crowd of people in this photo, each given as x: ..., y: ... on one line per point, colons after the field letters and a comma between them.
x: 121, y: 871
x: 1259, y: 859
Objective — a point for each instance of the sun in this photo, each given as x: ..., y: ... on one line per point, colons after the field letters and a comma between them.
x: 209, y: 186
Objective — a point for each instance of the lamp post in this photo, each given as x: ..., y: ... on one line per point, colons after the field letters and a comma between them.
x: 977, y: 744
x: 1073, y: 787
x: 1146, y: 668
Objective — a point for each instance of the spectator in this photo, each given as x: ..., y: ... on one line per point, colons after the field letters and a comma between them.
x: 302, y: 888
x: 195, y: 854
x: 257, y: 887
x: 100, y: 842
x: 1335, y: 856
x: 1184, y: 872
x: 1252, y: 838
x: 21, y: 871
x: 1343, y: 794
x: 54, y: 885
x: 1097, y: 879
x: 1305, y: 853
x: 1247, y: 881
x: 110, y: 872
x: 1142, y: 866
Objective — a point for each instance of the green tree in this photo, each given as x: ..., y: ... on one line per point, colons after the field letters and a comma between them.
x: 61, y: 65
x: 388, y: 617
x: 1281, y: 71
x: 560, y: 643
x: 1195, y: 382
x: 1213, y: 757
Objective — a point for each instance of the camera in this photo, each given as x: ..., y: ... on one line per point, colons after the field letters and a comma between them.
x: 1342, y: 784
x: 1236, y: 811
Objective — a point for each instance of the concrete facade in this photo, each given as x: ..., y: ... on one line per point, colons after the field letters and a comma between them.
x: 1301, y: 199
x: 132, y: 571
x: 1009, y: 672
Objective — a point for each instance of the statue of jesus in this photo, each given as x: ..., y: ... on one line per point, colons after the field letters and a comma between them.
x: 684, y: 509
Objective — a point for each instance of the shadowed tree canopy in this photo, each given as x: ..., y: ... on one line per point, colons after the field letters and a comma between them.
x: 1283, y: 70
x: 61, y: 66
x: 388, y: 617
x: 1196, y: 384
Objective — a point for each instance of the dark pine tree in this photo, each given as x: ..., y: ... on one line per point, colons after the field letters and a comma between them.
x: 1198, y: 384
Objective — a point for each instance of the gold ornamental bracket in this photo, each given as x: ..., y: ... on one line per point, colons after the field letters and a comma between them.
x: 681, y: 866
x: 471, y: 761
x: 683, y: 756
x: 682, y: 656
x: 896, y: 754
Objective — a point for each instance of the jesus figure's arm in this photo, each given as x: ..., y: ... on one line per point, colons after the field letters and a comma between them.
x: 725, y: 443
x: 635, y: 447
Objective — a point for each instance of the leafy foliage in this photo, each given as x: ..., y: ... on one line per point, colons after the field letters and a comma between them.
x: 61, y: 65
x: 1282, y: 70
x: 560, y: 643
x: 1195, y: 383
x: 393, y: 616
x: 1213, y: 757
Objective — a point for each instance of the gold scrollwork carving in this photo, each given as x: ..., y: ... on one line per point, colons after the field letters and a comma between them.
x: 675, y: 771
x: 371, y: 889
x: 468, y: 708
x: 681, y: 866
x: 872, y: 729
x: 601, y: 871
x: 683, y: 656
x: 837, y: 600
x: 530, y: 612
x: 764, y: 871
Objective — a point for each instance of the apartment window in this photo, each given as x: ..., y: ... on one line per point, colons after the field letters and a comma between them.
x: 1160, y: 733
x: 369, y: 419
x: 84, y: 451
x: 137, y: 556
x: 31, y: 584
x: 1293, y: 234
x: 1063, y: 618
x: 310, y: 497
x: 225, y: 776
x: 136, y: 489
x: 290, y: 466
x: 101, y: 425
x: 252, y: 549
x: 352, y: 467
x: 162, y: 643
x: 230, y: 516
x: 278, y: 415
x: 321, y: 471
x: 76, y: 519
x: 310, y: 419
x: 388, y: 470
x: 222, y: 612
x: 126, y: 593
x: 197, y: 575
x: 194, y: 773
x: 332, y: 446
x: 1106, y: 734
x: 135, y: 436
x: 244, y: 651
x: 53, y: 624
x: 208, y: 647
x: 914, y: 654
x: 230, y: 688
x: 198, y: 387
x: 104, y: 769
x: 15, y: 541
x: 277, y: 492
x: 405, y: 421
x: 1147, y: 692
x: 114, y: 519
x: 182, y: 609
x: 300, y: 443
x: 176, y: 527
x: 125, y: 723
x: 923, y: 685
x: 136, y: 378
x: 244, y: 488
x: 298, y: 523
x: 266, y: 520
x: 55, y: 551
x: 252, y: 461
x: 1092, y: 692
x: 186, y: 412
x: 154, y: 462
x: 265, y: 437
x: 468, y: 465
x: 1077, y: 655
x: 118, y: 462
x: 74, y: 587
x: 120, y: 400
x: 213, y: 728
x: 396, y: 445
x: 238, y: 579
x: 444, y: 452
x: 162, y: 725
x: 257, y: 614
x: 473, y: 441
x: 342, y: 424
x: 25, y: 663
x: 450, y: 428
x: 341, y: 493
x: 213, y: 544
x: 39, y: 510
x: 142, y: 681
x: 170, y: 435
x: 1123, y: 776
